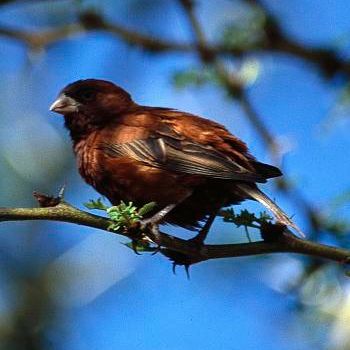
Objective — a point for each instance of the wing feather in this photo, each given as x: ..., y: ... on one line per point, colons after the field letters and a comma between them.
x: 182, y: 156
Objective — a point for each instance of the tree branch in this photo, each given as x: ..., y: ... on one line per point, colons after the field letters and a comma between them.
x: 285, y: 242
x: 42, y: 39
x: 91, y: 21
x: 327, y: 60
x: 209, y: 54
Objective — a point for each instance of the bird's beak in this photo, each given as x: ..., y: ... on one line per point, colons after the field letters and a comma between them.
x: 64, y: 105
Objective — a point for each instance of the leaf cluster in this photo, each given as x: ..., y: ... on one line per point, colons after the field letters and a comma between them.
x: 245, y: 218
x: 123, y: 215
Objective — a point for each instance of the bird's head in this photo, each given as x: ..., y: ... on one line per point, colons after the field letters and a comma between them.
x: 87, y: 104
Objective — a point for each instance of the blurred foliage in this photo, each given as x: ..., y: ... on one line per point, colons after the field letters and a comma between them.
x: 195, y: 77
x: 340, y: 200
x: 337, y: 226
x: 246, y: 32
x: 339, y: 115
x: 321, y: 289
x: 246, y: 75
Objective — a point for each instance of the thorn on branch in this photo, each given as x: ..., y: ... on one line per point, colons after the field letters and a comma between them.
x: 46, y: 201
x: 180, y: 259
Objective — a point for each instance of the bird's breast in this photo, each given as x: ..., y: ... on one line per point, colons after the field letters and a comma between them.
x: 87, y: 159
x: 124, y: 178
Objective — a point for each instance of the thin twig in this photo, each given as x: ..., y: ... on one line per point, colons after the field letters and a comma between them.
x: 90, y: 21
x: 327, y: 60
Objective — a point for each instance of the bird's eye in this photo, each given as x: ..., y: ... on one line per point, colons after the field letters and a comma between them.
x: 87, y: 95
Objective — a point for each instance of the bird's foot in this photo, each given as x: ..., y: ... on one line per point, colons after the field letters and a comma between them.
x: 135, y: 245
x: 141, y: 237
x: 150, y: 227
x: 142, y: 243
x: 144, y: 237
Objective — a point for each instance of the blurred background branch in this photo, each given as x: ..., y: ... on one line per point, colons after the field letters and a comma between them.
x: 253, y: 65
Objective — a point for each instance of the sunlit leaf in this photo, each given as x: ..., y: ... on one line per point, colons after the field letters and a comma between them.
x: 96, y: 204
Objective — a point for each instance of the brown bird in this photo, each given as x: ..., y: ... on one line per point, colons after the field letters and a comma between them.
x: 190, y: 166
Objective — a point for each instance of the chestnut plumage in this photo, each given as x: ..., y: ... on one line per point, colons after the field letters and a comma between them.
x: 141, y: 154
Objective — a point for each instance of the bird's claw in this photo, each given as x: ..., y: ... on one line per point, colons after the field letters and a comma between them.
x: 150, y: 227
x: 157, y: 249
x: 140, y: 236
x: 134, y: 245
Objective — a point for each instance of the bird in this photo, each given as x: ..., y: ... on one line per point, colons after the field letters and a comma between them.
x: 190, y: 166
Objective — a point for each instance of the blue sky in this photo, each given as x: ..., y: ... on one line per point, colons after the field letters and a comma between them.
x: 110, y: 297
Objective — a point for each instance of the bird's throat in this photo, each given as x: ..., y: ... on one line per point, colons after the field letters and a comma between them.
x: 79, y: 126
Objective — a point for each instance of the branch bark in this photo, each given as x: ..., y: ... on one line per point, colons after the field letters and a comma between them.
x: 286, y: 242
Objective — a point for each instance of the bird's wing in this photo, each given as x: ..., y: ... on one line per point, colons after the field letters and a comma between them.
x: 172, y: 152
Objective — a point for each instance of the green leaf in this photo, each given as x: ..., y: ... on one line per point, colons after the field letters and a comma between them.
x: 113, y: 227
x: 228, y: 215
x: 147, y: 208
x: 264, y: 217
x: 98, y: 204
x: 197, y: 76
x: 245, y: 218
x: 123, y: 215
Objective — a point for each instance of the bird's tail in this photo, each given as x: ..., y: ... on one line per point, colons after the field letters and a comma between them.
x: 279, y: 214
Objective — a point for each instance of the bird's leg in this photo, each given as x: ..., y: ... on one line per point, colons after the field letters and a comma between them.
x: 152, y: 223
x: 203, y: 233
x: 159, y: 216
